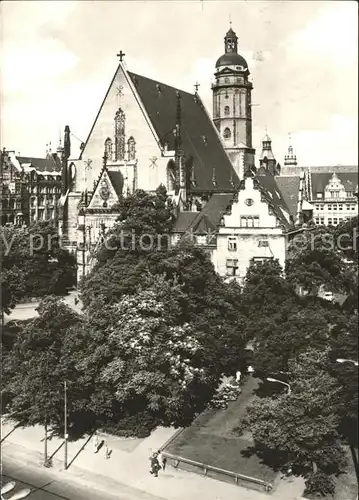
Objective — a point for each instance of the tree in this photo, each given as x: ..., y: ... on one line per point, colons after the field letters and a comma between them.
x: 280, y: 323
x: 265, y: 287
x: 344, y: 344
x: 33, y: 263
x: 33, y: 369
x: 142, y: 217
x: 12, y: 288
x: 137, y: 362
x: 299, y: 429
x: 142, y: 230
x: 157, y: 364
x: 315, y: 260
x: 207, y: 303
x: 346, y: 238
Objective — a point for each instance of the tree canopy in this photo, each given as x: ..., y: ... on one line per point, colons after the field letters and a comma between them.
x: 33, y: 371
x: 299, y: 429
x: 33, y: 263
x: 159, y: 330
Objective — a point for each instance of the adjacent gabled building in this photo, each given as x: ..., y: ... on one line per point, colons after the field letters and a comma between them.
x: 31, y: 188
x: 332, y: 194
x: 330, y: 190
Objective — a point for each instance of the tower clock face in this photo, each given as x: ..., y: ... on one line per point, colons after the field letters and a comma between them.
x: 249, y: 202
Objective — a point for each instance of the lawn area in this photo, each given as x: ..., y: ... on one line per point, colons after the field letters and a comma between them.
x: 210, y: 439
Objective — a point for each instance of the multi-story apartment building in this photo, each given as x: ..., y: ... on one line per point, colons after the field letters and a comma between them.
x: 31, y: 188
x: 14, y: 198
x: 333, y: 196
x: 331, y: 190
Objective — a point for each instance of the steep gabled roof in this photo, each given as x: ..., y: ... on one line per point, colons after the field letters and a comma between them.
x: 271, y: 188
x: 50, y: 164
x: 200, y: 141
x: 289, y: 188
x: 329, y: 169
x: 117, y: 181
x: 321, y: 180
x: 184, y: 221
x: 216, y: 207
x: 272, y: 196
x: 208, y: 219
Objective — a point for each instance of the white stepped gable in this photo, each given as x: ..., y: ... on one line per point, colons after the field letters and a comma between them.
x: 249, y: 204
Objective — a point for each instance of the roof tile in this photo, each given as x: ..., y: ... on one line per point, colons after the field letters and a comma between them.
x: 196, y: 124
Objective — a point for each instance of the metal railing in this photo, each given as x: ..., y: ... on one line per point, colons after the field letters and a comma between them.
x: 210, y: 468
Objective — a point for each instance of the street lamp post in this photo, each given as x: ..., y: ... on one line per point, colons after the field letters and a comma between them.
x: 270, y: 379
x: 65, y: 424
x: 342, y: 360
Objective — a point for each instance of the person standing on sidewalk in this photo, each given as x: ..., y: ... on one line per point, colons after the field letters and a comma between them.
x: 95, y: 443
x: 108, y: 451
x: 162, y: 460
x: 155, y: 465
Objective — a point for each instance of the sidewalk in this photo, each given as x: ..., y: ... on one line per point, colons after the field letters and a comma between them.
x: 129, y: 465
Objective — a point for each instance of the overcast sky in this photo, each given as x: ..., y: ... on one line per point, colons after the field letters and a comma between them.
x: 58, y: 58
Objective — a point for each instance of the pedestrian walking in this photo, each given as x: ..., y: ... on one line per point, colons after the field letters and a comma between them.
x: 154, y: 465
x: 108, y: 451
x: 95, y: 443
x: 162, y: 460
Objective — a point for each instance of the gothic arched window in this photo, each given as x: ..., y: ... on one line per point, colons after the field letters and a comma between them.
x: 131, y: 144
x: 108, y: 148
x: 226, y: 110
x: 226, y: 133
x: 120, y: 135
x: 171, y: 176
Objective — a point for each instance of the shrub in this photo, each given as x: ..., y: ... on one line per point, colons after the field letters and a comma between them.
x: 320, y: 484
x: 139, y: 425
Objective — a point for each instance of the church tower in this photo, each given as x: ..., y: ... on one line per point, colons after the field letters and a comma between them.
x: 267, y: 163
x: 232, y: 109
x: 290, y: 159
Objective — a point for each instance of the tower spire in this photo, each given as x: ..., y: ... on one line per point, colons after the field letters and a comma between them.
x: 59, y: 149
x: 267, y: 159
x: 231, y: 41
x: 290, y: 159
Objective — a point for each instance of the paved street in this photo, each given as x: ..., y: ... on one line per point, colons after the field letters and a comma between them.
x: 27, y: 310
x: 45, y: 486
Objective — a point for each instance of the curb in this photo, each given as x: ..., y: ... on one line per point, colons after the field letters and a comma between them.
x: 76, y: 476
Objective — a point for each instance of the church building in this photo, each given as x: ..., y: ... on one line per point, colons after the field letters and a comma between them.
x: 147, y: 133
